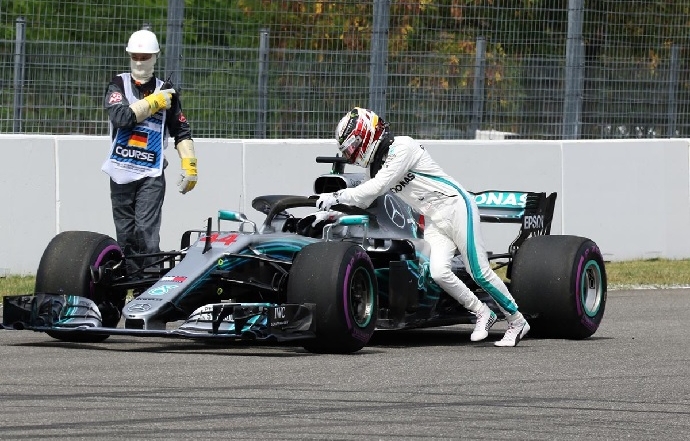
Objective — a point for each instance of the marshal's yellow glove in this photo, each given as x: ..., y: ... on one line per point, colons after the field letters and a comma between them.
x: 160, y: 100
x: 153, y: 103
x: 188, y: 177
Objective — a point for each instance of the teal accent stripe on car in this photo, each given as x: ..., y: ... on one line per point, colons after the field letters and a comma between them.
x: 253, y: 322
x: 475, y: 271
x: 68, y: 311
x: 276, y: 249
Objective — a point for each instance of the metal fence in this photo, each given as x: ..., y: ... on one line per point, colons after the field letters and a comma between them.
x: 290, y: 69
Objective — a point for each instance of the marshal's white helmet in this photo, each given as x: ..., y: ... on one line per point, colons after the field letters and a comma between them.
x: 143, y: 42
x: 358, y: 135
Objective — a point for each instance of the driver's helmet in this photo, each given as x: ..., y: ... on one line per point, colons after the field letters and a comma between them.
x: 359, y: 134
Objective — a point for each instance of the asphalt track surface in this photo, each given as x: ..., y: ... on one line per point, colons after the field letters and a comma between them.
x: 630, y: 381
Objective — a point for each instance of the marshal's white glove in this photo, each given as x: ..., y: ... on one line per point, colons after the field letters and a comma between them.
x: 326, y: 201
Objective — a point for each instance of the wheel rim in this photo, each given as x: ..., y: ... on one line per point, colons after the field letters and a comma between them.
x: 592, y: 288
x: 361, y: 297
x: 110, y: 253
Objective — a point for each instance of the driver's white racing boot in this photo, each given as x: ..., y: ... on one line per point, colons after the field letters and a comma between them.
x: 485, y: 320
x: 516, y: 330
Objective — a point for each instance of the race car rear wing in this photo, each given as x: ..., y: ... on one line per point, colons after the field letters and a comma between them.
x: 533, y: 210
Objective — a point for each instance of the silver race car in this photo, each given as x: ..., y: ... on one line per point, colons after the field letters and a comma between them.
x: 326, y: 286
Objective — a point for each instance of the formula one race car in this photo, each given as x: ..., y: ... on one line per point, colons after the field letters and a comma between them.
x: 324, y: 285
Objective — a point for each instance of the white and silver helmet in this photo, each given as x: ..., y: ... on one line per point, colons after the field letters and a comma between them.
x: 359, y: 134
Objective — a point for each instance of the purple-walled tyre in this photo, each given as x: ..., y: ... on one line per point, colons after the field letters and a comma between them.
x: 560, y: 281
x: 339, y: 279
x: 66, y: 267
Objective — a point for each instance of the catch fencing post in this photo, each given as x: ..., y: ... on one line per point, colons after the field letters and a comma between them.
x: 672, y: 88
x: 19, y: 70
x: 574, y: 54
x: 478, y: 90
x: 263, y: 86
x: 173, y: 42
x: 379, y: 58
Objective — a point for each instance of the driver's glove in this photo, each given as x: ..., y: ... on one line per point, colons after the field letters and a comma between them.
x: 325, y: 216
x: 312, y: 225
x: 326, y: 201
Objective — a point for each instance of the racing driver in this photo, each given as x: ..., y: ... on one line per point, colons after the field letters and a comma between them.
x: 452, y: 219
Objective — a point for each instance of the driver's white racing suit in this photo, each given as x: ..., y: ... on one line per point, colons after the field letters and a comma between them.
x: 451, y: 217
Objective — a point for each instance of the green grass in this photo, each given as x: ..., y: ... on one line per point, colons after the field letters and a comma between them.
x: 16, y: 285
x: 654, y: 273
x: 646, y: 273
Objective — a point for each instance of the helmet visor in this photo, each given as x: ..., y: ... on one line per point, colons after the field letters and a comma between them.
x: 350, y: 147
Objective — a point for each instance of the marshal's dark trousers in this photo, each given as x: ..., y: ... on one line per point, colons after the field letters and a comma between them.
x: 137, y: 214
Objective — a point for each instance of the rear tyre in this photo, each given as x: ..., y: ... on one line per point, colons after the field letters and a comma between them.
x: 65, y: 268
x: 339, y: 278
x: 562, y: 281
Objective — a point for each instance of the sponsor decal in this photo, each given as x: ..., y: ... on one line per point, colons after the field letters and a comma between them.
x: 279, y: 313
x: 174, y: 279
x: 115, y: 97
x: 139, y: 307
x: 205, y: 317
x: 279, y: 317
x: 394, y: 211
x: 533, y: 222
x: 403, y: 183
x: 501, y: 199
x: 161, y: 290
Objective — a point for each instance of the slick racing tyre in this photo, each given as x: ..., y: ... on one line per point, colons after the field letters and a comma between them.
x: 561, y: 282
x: 65, y: 268
x: 339, y: 278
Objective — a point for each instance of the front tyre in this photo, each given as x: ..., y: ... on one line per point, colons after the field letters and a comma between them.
x: 561, y: 280
x: 65, y: 268
x: 339, y: 278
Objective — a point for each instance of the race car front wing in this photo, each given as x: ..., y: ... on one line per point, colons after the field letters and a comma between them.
x: 220, y: 321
